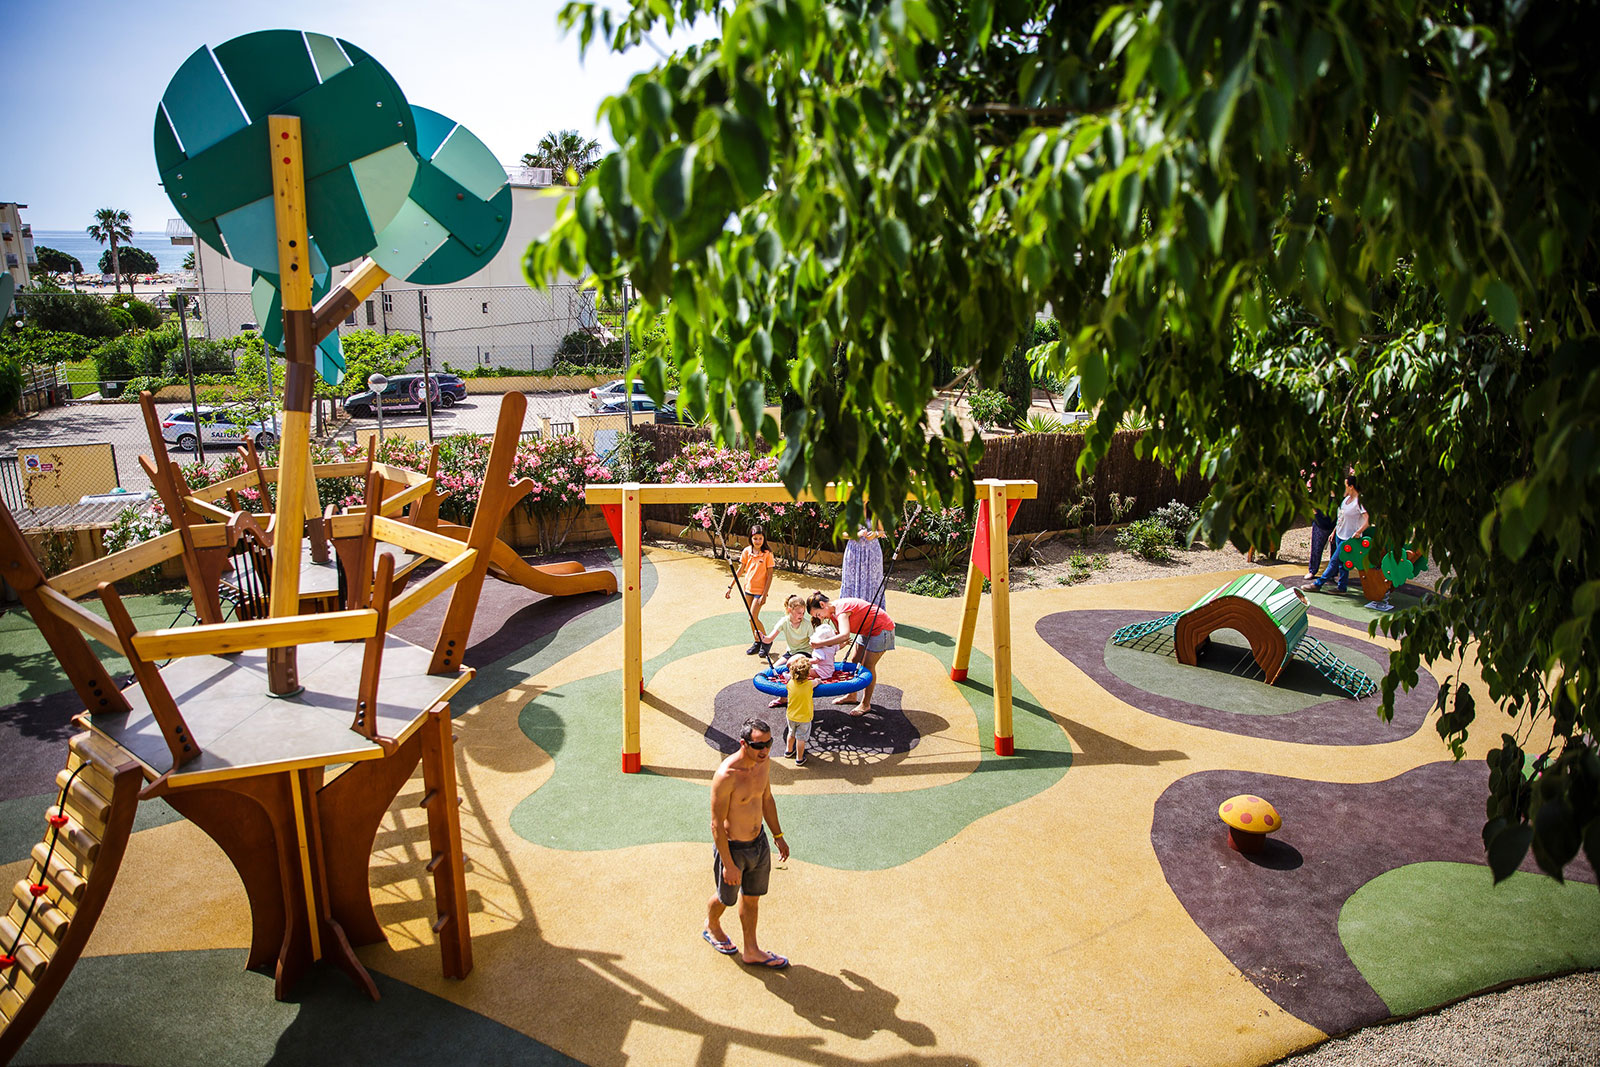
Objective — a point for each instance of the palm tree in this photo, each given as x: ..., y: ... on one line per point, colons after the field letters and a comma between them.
x: 113, y: 225
x: 563, y: 151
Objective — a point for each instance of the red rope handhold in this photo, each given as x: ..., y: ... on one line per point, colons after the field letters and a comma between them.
x: 6, y: 960
x: 58, y: 821
x: 38, y: 889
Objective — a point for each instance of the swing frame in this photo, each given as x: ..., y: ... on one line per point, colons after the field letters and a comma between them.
x: 625, y: 503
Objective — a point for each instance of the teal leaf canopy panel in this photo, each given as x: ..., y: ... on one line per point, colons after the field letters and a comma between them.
x: 358, y: 143
x: 266, y: 299
x: 415, y: 190
x: 458, y: 212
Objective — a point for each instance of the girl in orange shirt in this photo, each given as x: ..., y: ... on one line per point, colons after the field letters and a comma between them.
x: 756, y: 563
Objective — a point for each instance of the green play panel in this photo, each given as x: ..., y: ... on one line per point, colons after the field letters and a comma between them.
x: 1429, y: 933
x: 886, y: 828
x: 1229, y: 680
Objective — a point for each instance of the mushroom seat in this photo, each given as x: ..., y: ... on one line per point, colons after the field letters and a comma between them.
x: 1249, y: 819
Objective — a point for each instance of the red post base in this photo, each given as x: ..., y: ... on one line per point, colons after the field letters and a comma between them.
x: 1005, y: 746
x: 958, y: 674
x: 630, y: 763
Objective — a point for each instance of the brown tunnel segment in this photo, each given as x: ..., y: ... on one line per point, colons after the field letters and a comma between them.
x: 1194, y: 629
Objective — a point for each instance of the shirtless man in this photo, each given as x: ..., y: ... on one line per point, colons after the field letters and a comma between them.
x: 741, y: 798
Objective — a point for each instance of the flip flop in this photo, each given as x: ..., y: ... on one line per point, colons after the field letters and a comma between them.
x: 773, y: 960
x: 727, y: 948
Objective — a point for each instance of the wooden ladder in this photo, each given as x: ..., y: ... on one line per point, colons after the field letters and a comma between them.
x: 55, y: 908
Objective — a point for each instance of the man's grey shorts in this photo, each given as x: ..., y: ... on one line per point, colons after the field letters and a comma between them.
x: 879, y: 642
x: 754, y: 860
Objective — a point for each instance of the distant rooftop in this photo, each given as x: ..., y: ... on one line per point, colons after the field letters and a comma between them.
x: 529, y: 177
x: 179, y: 233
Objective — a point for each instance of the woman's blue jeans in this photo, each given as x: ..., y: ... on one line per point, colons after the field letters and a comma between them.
x: 1336, y: 567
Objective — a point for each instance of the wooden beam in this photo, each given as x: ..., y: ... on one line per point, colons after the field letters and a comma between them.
x: 393, y: 505
x: 399, y: 474
x: 263, y: 633
x: 75, y: 614
x: 334, y: 308
x: 424, y: 542
x: 129, y: 561
x: 207, y: 510
x: 431, y: 586
x: 748, y: 492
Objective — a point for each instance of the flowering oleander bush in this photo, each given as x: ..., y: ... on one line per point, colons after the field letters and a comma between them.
x: 796, y: 531
x: 559, y: 467
x: 133, y: 526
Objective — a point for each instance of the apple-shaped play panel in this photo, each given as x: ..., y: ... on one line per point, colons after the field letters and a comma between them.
x: 357, y: 134
x: 1249, y: 819
x: 266, y: 299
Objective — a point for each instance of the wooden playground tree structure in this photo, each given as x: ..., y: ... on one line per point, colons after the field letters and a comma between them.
x: 624, y: 505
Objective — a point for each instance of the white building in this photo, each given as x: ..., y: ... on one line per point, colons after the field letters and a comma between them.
x: 492, y: 318
x: 16, y: 237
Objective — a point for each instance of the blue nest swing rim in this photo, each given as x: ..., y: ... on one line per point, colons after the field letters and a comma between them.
x: 858, y: 678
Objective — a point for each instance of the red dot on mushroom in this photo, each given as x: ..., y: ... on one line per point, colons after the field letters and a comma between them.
x: 1244, y: 817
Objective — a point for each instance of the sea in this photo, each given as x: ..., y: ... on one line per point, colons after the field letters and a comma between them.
x: 88, y: 251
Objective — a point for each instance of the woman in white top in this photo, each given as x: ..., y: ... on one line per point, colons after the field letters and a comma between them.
x: 1352, y: 521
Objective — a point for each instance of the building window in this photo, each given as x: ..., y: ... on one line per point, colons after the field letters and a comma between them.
x: 351, y: 321
x: 388, y: 303
x: 424, y: 304
x: 11, y: 259
x: 372, y: 314
x: 486, y: 307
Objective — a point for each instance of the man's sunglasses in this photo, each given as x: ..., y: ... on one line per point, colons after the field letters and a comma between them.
x: 760, y: 744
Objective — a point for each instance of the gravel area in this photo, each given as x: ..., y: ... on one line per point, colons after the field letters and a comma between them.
x: 1553, y: 1023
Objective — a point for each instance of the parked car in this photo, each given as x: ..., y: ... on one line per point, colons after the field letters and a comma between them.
x: 601, y: 395
x: 643, y: 405
x: 217, y: 426
x: 405, y: 393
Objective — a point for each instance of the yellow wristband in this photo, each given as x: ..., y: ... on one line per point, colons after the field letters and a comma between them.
x: 777, y: 835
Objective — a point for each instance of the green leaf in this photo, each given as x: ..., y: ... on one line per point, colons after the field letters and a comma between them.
x: 1502, y: 305
x: 752, y: 400
x: 671, y: 181
x: 1507, y: 849
x: 897, y: 242
x: 744, y: 150
x: 1092, y: 371
x: 769, y: 250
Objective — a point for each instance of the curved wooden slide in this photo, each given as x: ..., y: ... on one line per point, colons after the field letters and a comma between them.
x: 551, y: 579
x: 96, y: 816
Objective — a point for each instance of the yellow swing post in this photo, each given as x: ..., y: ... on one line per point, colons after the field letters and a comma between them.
x: 997, y: 495
x: 632, y: 623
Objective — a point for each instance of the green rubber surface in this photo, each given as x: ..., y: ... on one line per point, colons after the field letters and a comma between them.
x: 1429, y: 933
x: 576, y: 724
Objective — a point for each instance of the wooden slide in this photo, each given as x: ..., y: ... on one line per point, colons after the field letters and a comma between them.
x: 551, y: 579
x: 54, y: 909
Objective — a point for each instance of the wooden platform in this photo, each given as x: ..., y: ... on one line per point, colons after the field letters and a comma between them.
x: 243, y: 731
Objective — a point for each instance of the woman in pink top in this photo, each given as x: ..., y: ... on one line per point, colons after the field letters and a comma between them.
x: 874, y: 632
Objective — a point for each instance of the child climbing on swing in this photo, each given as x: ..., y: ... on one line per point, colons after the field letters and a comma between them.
x: 753, y: 578
x: 795, y: 629
x: 801, y: 710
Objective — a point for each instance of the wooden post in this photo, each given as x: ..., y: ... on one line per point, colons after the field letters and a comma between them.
x: 969, y: 622
x: 299, y: 345
x: 632, y: 620
x: 444, y: 839
x: 1000, y: 605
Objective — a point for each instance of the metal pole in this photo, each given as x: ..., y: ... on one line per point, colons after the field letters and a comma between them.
x: 627, y: 359
x: 427, y: 377
x: 188, y: 369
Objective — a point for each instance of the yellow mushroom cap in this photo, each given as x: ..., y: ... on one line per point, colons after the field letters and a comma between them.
x: 1250, y: 814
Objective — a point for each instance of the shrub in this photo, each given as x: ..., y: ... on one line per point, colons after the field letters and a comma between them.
x: 989, y: 407
x: 1147, y: 539
x: 945, y: 537
x: 121, y: 320
x: 1038, y: 422
x: 1179, y: 518
x: 10, y: 383
x: 1016, y: 382
x: 559, y: 467
x: 796, y: 531
x: 122, y: 358
x: 145, y: 316
x: 591, y: 349
x: 77, y: 313
x: 133, y: 526
x: 930, y: 584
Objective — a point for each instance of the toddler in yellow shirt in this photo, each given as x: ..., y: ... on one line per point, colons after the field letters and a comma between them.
x: 800, y: 708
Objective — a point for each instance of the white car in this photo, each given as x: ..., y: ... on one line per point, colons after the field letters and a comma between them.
x: 216, y: 427
x: 612, y: 392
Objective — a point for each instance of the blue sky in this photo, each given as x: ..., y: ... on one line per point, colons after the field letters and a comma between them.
x: 77, y: 125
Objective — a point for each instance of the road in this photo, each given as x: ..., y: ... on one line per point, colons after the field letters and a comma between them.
x: 122, y: 426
